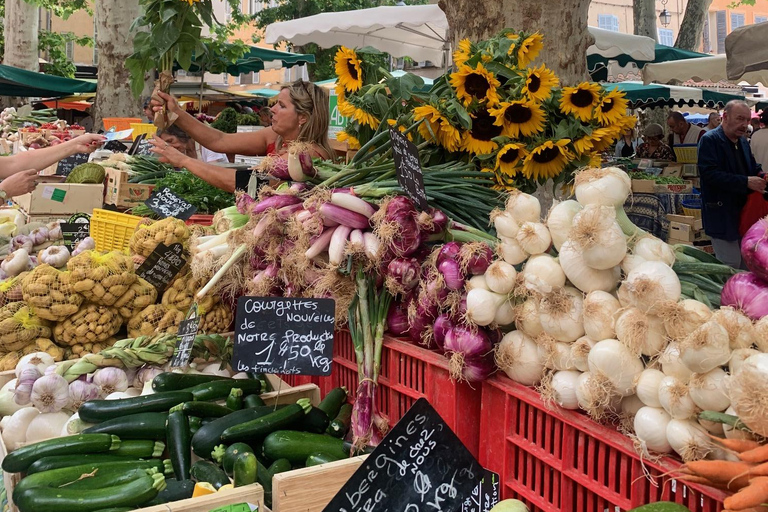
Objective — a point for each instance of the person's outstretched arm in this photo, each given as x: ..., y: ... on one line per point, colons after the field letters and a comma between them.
x: 41, y: 158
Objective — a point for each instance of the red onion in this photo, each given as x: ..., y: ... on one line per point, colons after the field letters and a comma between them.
x: 452, y: 274
x: 748, y: 293
x: 306, y: 164
x: 476, y: 258
x: 400, y: 205
x: 397, y: 319
x: 477, y: 369
x: 436, y: 290
x: 403, y: 274
x: 408, y: 239
x: 276, y: 201
x: 278, y: 168
x: 449, y: 251
x: 464, y: 345
x: 754, y: 248
x: 442, y: 325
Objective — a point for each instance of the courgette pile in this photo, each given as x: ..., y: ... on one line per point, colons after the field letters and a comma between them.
x: 139, y: 451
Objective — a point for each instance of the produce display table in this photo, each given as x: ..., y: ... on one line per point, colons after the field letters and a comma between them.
x: 649, y: 211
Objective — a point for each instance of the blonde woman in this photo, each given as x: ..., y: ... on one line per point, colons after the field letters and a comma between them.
x: 299, y: 114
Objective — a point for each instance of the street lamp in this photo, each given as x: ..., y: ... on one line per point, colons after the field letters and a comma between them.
x: 665, y: 17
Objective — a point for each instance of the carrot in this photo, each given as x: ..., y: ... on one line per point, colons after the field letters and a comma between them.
x: 693, y: 479
x: 736, y: 445
x: 733, y: 475
x: 755, y: 494
x: 755, y: 455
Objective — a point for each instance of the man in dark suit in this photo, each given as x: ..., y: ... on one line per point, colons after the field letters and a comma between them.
x: 728, y: 172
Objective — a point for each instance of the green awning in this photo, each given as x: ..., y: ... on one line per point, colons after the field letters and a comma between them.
x: 20, y: 82
x: 265, y: 93
x: 597, y: 65
x: 656, y: 95
x: 257, y: 59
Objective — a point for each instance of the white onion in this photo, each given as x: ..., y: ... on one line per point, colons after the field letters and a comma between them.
x: 761, y: 332
x: 613, y: 360
x: 607, y: 186
x: 684, y: 317
x: 651, y: 429
x: 581, y: 275
x: 675, y: 398
x: 15, y: 431
x: 598, y: 236
x: 523, y: 207
x: 482, y: 306
x: 736, y: 433
x: 527, y: 318
x: 749, y: 393
x: 555, y: 354
x: 560, y: 220
x: 713, y: 427
x: 624, y: 299
x: 599, y: 310
x: 652, y: 249
x: 631, y: 404
x: 738, y: 356
x: 647, y: 388
x: 630, y: 263
x: 505, y: 224
x: 39, y: 360
x: 505, y: 314
x: 705, y: 348
x: 241, y: 376
x: 563, y: 385
x: 215, y: 369
x: 499, y: 277
x: 542, y: 274
x: 688, y: 439
x: 534, y: 237
x: 477, y: 281
x: 561, y: 314
x: 741, y: 332
x: 580, y: 353
x: 518, y: 356
x: 510, y: 251
x: 651, y: 285
x: 8, y: 405
x: 672, y: 365
x: 596, y: 395
x: 46, y: 426
x: 708, y: 390
x: 640, y: 333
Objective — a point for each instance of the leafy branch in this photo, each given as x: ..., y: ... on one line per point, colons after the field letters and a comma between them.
x: 54, y: 46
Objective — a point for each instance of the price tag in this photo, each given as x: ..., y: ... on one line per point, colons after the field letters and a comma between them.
x: 186, y: 338
x: 67, y: 164
x: 420, y: 466
x: 78, y: 228
x: 167, y: 204
x: 288, y: 336
x: 408, y: 166
x: 485, y: 496
x: 162, y: 266
x: 115, y: 146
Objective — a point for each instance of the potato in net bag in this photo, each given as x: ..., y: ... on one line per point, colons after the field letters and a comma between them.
x: 20, y: 326
x: 82, y: 349
x: 50, y: 294
x: 10, y: 289
x: 47, y: 346
x: 167, y: 231
x: 101, y: 277
x: 181, y: 294
x: 92, y: 323
x: 216, y: 320
x: 138, y: 296
x: 9, y: 361
x: 154, y: 319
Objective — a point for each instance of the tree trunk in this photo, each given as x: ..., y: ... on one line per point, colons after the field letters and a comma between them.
x: 644, y: 16
x: 114, y: 44
x: 692, y: 26
x: 563, y: 23
x: 21, y: 24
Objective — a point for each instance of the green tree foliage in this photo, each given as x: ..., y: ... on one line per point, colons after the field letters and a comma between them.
x: 54, y: 46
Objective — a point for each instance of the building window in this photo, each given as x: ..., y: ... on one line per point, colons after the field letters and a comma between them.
x: 666, y: 37
x: 707, y: 41
x: 722, y: 30
x: 256, y: 6
x: 737, y: 20
x: 70, y: 49
x: 760, y: 19
x: 227, y: 12
x: 608, y: 22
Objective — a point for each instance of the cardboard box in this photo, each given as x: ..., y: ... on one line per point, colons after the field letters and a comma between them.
x: 56, y: 198
x: 675, y: 241
x: 643, y: 186
x: 685, y: 188
x: 123, y: 194
x: 695, y: 223
x: 672, y: 171
x: 686, y: 232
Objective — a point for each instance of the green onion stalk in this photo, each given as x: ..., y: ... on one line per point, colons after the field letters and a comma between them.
x: 367, y: 323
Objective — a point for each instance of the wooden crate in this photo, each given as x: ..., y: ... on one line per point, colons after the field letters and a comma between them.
x: 311, y: 489
x: 253, y: 494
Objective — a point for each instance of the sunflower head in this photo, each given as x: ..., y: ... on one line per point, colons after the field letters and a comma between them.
x: 602, y: 138
x: 348, y: 69
x: 539, y: 83
x: 475, y: 84
x: 478, y: 140
x: 435, y: 127
x: 509, y: 157
x: 611, y: 109
x: 583, y: 144
x: 547, y: 160
x: 351, y: 140
x: 365, y: 118
x: 519, y: 118
x: 580, y: 100
x: 462, y: 53
x: 528, y: 49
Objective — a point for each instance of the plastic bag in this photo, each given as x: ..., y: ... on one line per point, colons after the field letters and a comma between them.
x: 93, y: 323
x: 101, y: 277
x: 20, y: 326
x: 50, y: 294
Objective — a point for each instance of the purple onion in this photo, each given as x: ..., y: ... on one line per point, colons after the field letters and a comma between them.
x: 452, y: 274
x: 404, y: 273
x: 244, y: 203
x: 277, y: 201
x: 465, y: 347
x: 299, y: 187
x: 449, y: 251
x: 408, y: 239
x: 278, y: 168
x: 748, y: 293
x: 477, y: 258
x: 433, y: 222
x: 442, y: 325
x: 397, y: 319
x: 436, y: 289
x: 400, y: 206
x: 306, y: 164
x: 461, y: 311
x: 477, y: 369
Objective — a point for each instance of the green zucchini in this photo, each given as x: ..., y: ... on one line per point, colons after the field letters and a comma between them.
x: 350, y: 448
x: 107, y: 479
x: 700, y: 255
x: 96, y: 411
x: 297, y: 446
x: 280, y: 466
x: 203, y: 409
x: 140, y: 448
x: 58, y: 477
x: 194, y: 424
x: 264, y: 476
x: 235, y: 399
x: 66, y: 461
x: 226, y: 456
x: 333, y: 401
x: 147, y: 425
x: 19, y: 460
x: 266, y: 387
x: 219, y: 389
x: 175, y: 490
x: 661, y: 506
x: 260, y: 427
x: 320, y: 458
x: 179, y: 444
x: 206, y: 471
x: 209, y: 436
x: 253, y: 401
x: 116, y: 509
x: 315, y: 421
x: 340, y: 425
x: 245, y: 468
x: 134, y: 494
x: 169, y: 381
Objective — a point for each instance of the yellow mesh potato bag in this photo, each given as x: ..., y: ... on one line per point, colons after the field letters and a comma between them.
x: 50, y: 294
x: 10, y: 289
x: 138, y: 296
x: 217, y: 320
x: 101, y: 277
x: 93, y: 323
x: 154, y: 319
x: 9, y: 361
x: 20, y: 326
x: 167, y: 231
x: 47, y: 346
x: 181, y: 294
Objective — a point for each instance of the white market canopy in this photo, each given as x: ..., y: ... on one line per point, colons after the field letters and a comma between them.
x: 419, y: 32
x: 745, y: 50
x: 704, y: 69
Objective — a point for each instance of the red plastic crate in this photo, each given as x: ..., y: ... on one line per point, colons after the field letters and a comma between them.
x: 560, y: 460
x: 407, y: 373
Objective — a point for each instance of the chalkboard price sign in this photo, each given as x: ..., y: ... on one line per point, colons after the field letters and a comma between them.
x: 420, y: 466
x: 115, y: 146
x: 67, y: 164
x: 162, y: 265
x: 186, y: 338
x: 73, y: 232
x: 284, y: 335
x: 167, y: 204
x: 408, y: 166
x: 485, y: 496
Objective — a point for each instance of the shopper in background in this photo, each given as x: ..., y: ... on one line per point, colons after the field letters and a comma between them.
x: 755, y: 124
x: 627, y: 144
x: 728, y: 172
x: 683, y: 132
x: 759, y: 142
x: 713, y: 121
x: 149, y: 114
x: 178, y: 139
x: 654, y: 146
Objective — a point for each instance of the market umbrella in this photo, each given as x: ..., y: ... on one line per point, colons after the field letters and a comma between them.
x: 640, y: 95
x: 257, y: 59
x: 703, y: 69
x: 597, y: 64
x: 20, y: 82
x: 745, y: 51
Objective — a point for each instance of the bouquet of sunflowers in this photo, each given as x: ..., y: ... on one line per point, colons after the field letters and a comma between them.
x: 497, y: 110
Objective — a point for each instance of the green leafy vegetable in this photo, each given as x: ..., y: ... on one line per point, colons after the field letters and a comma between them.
x: 207, y: 198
